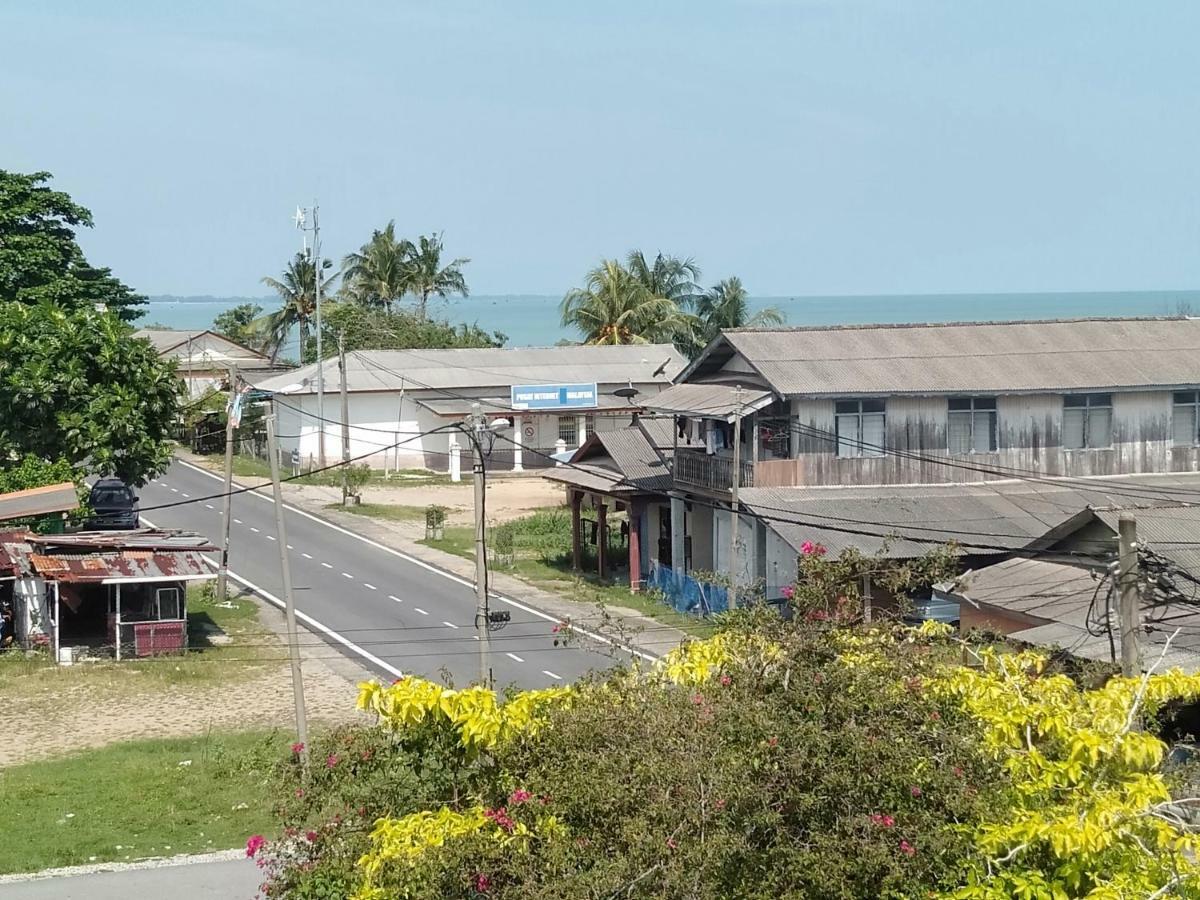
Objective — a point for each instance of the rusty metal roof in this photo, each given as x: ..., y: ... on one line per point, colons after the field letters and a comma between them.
x: 135, y: 539
x: 119, y: 565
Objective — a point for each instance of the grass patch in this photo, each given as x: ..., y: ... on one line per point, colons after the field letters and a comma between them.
x: 135, y: 800
x: 542, y: 556
x: 253, y: 467
x: 387, y: 511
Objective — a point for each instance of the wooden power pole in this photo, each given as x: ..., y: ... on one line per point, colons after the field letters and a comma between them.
x: 477, y: 427
x: 1130, y: 607
x: 288, y: 598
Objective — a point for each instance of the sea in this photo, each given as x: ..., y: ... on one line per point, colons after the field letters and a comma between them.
x: 532, y: 320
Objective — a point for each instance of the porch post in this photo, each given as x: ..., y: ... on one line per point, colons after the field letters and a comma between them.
x: 576, y: 550
x: 581, y: 429
x: 635, y: 546
x: 518, y: 427
x: 678, y: 511
x: 118, y: 628
x: 57, y: 627
x: 601, y: 537
x: 754, y: 444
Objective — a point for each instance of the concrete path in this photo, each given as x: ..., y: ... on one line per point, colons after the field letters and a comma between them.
x: 227, y: 879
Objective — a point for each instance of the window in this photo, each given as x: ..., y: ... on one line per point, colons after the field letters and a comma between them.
x: 971, y: 425
x: 1185, y: 420
x: 167, y: 603
x: 1087, y: 421
x: 589, y: 425
x: 860, y: 427
x: 568, y: 430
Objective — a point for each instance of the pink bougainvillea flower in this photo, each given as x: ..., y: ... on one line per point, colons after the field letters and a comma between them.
x: 481, y: 883
x: 310, y: 836
x: 726, y: 681
x: 907, y: 849
x: 254, y: 843
x: 807, y: 548
x: 297, y: 748
x: 787, y: 591
x: 915, y: 791
x: 671, y: 843
x: 331, y: 760
x: 882, y: 820
x: 520, y: 795
x: 501, y: 818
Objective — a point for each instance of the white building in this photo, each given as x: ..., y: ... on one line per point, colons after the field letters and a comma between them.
x: 203, y: 358
x: 403, y: 404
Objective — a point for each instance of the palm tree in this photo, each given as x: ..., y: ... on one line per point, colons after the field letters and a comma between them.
x: 297, y: 288
x: 725, y: 305
x: 426, y: 275
x: 668, y: 276
x: 615, y: 307
x: 379, y: 273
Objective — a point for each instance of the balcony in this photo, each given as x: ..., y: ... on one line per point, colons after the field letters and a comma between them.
x: 695, y: 468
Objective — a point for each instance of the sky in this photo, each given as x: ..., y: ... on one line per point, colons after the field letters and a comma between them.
x: 809, y: 147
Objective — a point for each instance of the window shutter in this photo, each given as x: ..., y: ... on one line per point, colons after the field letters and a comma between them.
x: 1183, y: 425
x: 1072, y: 428
x: 847, y: 436
x: 1099, y: 427
x: 959, y: 432
x: 874, y: 433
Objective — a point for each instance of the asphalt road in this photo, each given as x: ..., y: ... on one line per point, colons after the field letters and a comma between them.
x: 236, y: 879
x: 393, y: 613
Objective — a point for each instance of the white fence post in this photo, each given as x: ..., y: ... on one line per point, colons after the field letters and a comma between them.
x: 455, y: 460
x: 560, y: 446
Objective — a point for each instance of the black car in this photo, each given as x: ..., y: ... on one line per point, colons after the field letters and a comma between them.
x: 113, y: 504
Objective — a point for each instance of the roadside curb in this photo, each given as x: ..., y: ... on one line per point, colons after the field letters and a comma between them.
x: 154, y: 862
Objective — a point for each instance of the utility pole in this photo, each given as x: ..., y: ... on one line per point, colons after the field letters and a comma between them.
x: 733, y: 510
x: 316, y: 261
x: 1127, y: 582
x: 476, y: 427
x: 232, y: 416
x: 289, y: 601
x: 345, y: 420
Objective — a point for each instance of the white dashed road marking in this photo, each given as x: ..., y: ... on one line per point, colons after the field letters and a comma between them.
x: 347, y: 575
x: 450, y: 625
x: 327, y: 565
x: 290, y: 547
x: 394, y: 597
x: 514, y: 656
x: 237, y: 521
x: 551, y: 674
x: 208, y: 506
x: 185, y: 495
x: 369, y: 587
x: 255, y: 530
x: 421, y: 611
x: 270, y: 537
x: 174, y: 490
x: 306, y: 555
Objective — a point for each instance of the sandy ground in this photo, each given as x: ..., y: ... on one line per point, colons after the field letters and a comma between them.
x: 67, y: 711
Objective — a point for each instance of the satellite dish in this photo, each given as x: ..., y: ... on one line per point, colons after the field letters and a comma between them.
x: 627, y: 393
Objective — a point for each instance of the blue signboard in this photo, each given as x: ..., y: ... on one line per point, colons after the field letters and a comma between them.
x: 554, y: 396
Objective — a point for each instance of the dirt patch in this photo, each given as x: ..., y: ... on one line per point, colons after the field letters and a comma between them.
x: 50, y: 711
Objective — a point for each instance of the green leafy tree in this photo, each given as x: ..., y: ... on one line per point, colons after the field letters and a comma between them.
x: 379, y: 273
x: 725, y: 305
x: 616, y: 307
x: 368, y: 328
x: 297, y: 288
x: 668, y: 276
x: 427, y: 277
x: 237, y: 324
x: 40, y: 259
x: 75, y: 386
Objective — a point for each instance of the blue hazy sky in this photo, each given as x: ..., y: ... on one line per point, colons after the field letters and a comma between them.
x: 809, y: 147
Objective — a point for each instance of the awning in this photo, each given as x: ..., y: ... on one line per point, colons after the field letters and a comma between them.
x: 502, y: 406
x: 708, y: 401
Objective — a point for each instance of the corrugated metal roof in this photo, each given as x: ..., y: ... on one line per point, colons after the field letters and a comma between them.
x: 165, y: 565
x: 39, y: 501
x: 1004, y: 514
x: 391, y: 370
x: 707, y: 400
x: 1172, y: 532
x: 135, y: 539
x: 616, y: 462
x: 984, y: 357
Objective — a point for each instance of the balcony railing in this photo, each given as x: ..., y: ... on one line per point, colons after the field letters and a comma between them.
x: 713, y: 473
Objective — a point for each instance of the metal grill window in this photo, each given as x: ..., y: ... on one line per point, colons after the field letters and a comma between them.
x: 1185, y: 418
x: 568, y: 430
x: 971, y: 425
x: 861, y: 427
x: 1087, y: 421
x: 589, y: 425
